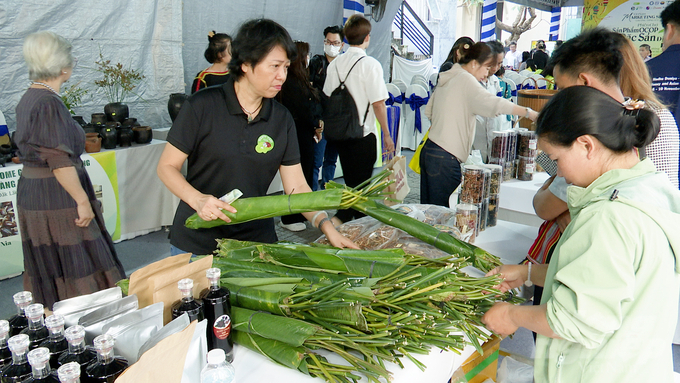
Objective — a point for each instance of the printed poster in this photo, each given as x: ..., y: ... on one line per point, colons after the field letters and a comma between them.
x: 101, y: 167
x: 639, y: 20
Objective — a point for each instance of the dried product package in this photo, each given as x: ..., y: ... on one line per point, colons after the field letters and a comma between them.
x: 74, y: 308
x: 133, y: 329
x: 177, y: 325
x: 526, y: 168
x: 95, y: 320
x: 495, y: 179
x: 466, y: 221
x: 492, y: 210
x: 139, y: 280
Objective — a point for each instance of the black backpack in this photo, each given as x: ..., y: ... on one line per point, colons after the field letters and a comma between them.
x: 340, y: 115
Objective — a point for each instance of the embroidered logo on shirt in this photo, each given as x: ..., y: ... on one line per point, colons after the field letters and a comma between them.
x: 264, y: 144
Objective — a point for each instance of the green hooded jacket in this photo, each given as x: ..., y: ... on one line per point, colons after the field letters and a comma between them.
x: 612, y: 287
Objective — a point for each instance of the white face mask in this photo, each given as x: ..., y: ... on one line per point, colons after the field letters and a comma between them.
x: 331, y: 51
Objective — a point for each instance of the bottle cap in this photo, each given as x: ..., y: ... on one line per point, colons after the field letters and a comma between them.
x: 75, y: 334
x: 23, y: 298
x: 216, y: 356
x: 54, y: 321
x: 18, y: 344
x: 103, y: 343
x: 69, y: 371
x: 39, y: 357
x: 35, y: 311
x: 185, y: 284
x: 213, y: 273
x: 4, y: 328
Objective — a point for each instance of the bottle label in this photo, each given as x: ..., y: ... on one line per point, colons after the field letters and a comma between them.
x: 222, y: 327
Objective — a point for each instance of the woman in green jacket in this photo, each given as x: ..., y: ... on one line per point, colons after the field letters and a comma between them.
x: 610, y: 298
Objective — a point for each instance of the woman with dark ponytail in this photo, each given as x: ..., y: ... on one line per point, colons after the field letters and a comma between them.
x: 218, y: 54
x: 610, y: 299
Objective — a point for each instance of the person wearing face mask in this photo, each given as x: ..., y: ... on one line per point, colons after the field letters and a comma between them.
x: 452, y: 108
x: 303, y: 102
x: 325, y: 153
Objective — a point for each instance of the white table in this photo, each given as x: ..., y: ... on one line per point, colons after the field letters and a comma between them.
x: 516, y: 200
x: 509, y: 241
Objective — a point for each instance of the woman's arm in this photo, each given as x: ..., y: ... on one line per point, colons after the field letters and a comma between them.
x: 504, y: 319
x: 68, y: 179
x: 515, y: 275
x: 208, y: 207
x: 546, y: 204
x: 293, y: 183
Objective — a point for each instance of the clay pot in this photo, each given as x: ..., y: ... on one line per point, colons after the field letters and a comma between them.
x: 98, y: 119
x: 142, y: 134
x: 5, y: 149
x: 89, y: 128
x: 109, y: 137
x: 124, y: 137
x: 93, y: 143
x: 80, y: 120
x: 116, y: 111
x: 16, y: 160
x: 175, y: 103
x: 131, y: 122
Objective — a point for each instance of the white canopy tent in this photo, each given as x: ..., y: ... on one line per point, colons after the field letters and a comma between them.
x: 163, y: 38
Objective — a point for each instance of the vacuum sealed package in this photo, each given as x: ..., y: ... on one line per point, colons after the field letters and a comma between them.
x: 177, y: 325
x: 95, y: 320
x: 133, y: 329
x: 74, y: 308
x: 197, y: 355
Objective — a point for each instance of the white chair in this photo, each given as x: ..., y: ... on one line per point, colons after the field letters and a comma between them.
x: 417, y: 77
x: 540, y: 80
x: 433, y: 81
x: 401, y: 85
x: 513, y: 88
x: 526, y: 73
x: 410, y: 136
x: 512, y: 75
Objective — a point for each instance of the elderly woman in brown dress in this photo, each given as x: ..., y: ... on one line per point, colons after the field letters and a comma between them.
x: 67, y: 250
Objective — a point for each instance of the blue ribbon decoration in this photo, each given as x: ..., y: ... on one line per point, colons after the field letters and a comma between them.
x: 393, y: 117
x: 415, y: 102
x: 391, y: 100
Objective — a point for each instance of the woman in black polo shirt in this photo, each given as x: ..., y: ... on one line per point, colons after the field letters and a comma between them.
x: 235, y: 136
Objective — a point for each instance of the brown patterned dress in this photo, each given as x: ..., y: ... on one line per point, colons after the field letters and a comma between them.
x: 61, y: 260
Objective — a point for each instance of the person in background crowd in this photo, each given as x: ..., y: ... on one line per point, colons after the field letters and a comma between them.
x: 540, y: 57
x: 664, y: 68
x: 303, y: 102
x: 645, y: 52
x: 513, y: 58
x: 558, y: 43
x: 610, y: 298
x: 218, y: 54
x: 325, y: 153
x: 527, y: 62
x: 234, y: 136
x: 367, y: 86
x: 485, y: 126
x: 452, y: 108
x: 67, y: 250
x: 455, y: 53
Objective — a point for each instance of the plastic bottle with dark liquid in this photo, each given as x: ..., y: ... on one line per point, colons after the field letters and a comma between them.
x: 187, y: 304
x: 77, y: 352
x: 5, y: 353
x: 19, y: 321
x: 217, y: 311
x: 36, y: 330
x: 56, y: 342
x: 19, y: 370
x: 69, y: 373
x: 39, y: 359
x: 108, y: 366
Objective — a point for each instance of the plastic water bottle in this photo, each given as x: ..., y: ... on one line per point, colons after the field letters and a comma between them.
x: 218, y: 369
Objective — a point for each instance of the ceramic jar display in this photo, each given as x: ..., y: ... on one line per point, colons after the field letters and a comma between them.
x: 175, y: 103
x: 116, y: 111
x: 142, y: 134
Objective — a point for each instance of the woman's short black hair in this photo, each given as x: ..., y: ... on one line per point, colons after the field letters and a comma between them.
x: 453, y: 57
x: 217, y: 43
x: 253, y: 42
x: 580, y: 110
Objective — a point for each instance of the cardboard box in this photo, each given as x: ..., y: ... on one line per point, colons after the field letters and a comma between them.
x: 478, y: 368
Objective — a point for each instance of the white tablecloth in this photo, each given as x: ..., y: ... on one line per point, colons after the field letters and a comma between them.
x: 509, y: 241
x: 516, y: 200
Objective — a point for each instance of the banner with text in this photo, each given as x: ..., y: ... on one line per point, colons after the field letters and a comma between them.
x: 637, y: 19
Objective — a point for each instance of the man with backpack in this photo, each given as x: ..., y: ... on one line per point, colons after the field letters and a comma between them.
x: 324, y: 152
x: 362, y: 76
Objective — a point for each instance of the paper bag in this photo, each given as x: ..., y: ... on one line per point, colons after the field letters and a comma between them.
x: 164, y: 284
x: 399, y: 189
x: 162, y: 363
x: 139, y: 280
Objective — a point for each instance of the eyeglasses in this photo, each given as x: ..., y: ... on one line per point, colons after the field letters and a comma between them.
x: 333, y: 43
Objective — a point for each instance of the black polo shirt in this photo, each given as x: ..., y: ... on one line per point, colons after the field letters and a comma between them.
x: 225, y: 152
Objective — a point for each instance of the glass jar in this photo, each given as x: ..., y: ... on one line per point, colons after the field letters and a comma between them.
x: 495, y: 179
x: 466, y: 221
x: 528, y: 143
x: 492, y: 210
x: 526, y: 168
x: 472, y: 190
